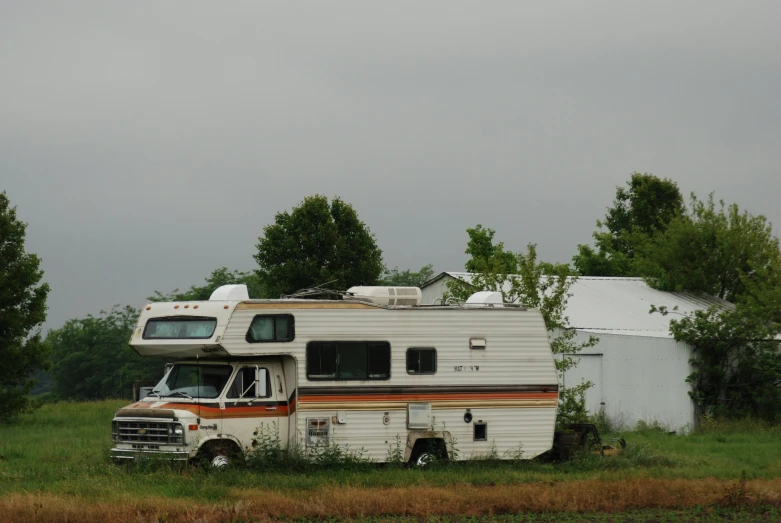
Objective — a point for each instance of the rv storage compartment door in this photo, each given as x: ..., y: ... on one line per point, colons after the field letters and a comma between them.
x: 419, y: 416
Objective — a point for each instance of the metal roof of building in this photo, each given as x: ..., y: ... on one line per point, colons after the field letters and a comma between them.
x: 621, y: 305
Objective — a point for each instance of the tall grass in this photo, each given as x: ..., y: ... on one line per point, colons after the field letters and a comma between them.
x: 58, y: 456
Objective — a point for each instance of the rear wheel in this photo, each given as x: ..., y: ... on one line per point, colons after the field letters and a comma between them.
x: 423, y: 459
x: 426, y: 452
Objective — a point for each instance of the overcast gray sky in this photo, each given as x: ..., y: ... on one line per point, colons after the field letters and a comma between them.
x: 148, y: 143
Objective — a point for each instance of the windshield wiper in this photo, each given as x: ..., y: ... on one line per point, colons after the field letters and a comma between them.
x: 154, y: 393
x: 174, y: 393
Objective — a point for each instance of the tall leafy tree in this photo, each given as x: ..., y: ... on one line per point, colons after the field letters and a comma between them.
x: 22, y: 311
x: 714, y: 249
x: 641, y: 210
x: 218, y: 278
x: 408, y: 278
x: 92, y: 358
x: 318, y: 242
x: 523, y: 279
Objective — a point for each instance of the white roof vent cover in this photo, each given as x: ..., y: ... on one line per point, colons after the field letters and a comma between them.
x: 230, y: 293
x: 486, y: 298
x: 409, y: 296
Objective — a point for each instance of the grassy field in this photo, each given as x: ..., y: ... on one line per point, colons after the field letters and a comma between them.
x: 54, y: 466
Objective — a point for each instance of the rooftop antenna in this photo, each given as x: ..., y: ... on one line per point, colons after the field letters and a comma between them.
x: 313, y: 291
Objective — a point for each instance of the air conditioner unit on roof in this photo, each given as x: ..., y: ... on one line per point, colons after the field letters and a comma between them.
x: 409, y: 296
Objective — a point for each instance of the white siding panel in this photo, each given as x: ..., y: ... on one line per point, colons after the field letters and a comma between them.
x: 642, y: 379
x: 589, y: 368
x: 517, y: 347
x: 530, y: 430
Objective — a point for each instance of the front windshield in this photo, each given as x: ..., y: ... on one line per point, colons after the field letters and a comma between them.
x: 187, y: 380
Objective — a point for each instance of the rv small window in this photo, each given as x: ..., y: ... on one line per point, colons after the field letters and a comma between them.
x: 270, y: 328
x: 421, y: 361
x: 348, y: 360
x: 179, y: 327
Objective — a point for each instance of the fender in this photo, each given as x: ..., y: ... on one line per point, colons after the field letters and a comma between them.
x: 219, y: 437
x: 414, y: 435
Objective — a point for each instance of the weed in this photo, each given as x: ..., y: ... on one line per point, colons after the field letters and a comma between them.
x: 270, y: 453
x: 395, y: 455
x: 735, y: 495
x: 515, y: 453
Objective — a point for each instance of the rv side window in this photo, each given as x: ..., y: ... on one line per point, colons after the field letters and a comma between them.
x: 245, y: 379
x: 348, y: 360
x: 421, y: 361
x: 271, y: 327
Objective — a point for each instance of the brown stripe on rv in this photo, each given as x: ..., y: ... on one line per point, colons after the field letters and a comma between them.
x: 429, y: 398
x: 431, y: 389
x: 436, y: 405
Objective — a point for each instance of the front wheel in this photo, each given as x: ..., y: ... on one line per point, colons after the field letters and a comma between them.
x: 220, y: 461
x: 220, y: 455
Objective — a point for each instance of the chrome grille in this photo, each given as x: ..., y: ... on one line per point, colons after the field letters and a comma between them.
x: 148, y: 432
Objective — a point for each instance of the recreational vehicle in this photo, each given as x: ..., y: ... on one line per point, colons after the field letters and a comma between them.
x: 366, y: 371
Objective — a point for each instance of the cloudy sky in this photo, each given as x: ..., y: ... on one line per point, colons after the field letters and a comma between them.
x: 147, y: 143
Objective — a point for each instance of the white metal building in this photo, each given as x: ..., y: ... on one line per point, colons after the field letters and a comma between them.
x: 638, y: 371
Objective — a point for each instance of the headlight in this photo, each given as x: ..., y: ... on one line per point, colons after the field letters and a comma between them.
x: 175, y: 433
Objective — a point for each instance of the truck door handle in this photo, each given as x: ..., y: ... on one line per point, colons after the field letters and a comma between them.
x: 271, y: 408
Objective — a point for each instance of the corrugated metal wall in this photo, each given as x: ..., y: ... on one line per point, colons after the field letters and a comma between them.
x: 638, y: 379
x: 589, y: 368
x: 435, y: 291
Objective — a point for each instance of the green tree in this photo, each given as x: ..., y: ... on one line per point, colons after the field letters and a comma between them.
x: 317, y: 243
x: 218, y: 278
x: 641, y: 210
x: 396, y: 278
x: 712, y: 249
x: 536, y: 284
x: 22, y: 311
x: 736, y: 364
x: 92, y: 358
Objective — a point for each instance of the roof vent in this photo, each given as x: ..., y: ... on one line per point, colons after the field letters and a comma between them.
x: 486, y: 298
x: 407, y: 296
x: 230, y: 293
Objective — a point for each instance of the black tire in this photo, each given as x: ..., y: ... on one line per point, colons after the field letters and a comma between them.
x: 220, y: 455
x: 426, y: 452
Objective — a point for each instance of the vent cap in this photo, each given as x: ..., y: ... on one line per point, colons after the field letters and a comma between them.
x: 230, y: 293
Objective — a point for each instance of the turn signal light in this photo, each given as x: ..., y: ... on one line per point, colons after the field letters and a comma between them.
x: 192, y: 427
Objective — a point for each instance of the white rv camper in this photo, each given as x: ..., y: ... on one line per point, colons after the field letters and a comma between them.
x: 360, y: 371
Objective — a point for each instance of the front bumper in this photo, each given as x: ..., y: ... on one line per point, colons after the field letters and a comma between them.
x: 129, y: 454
